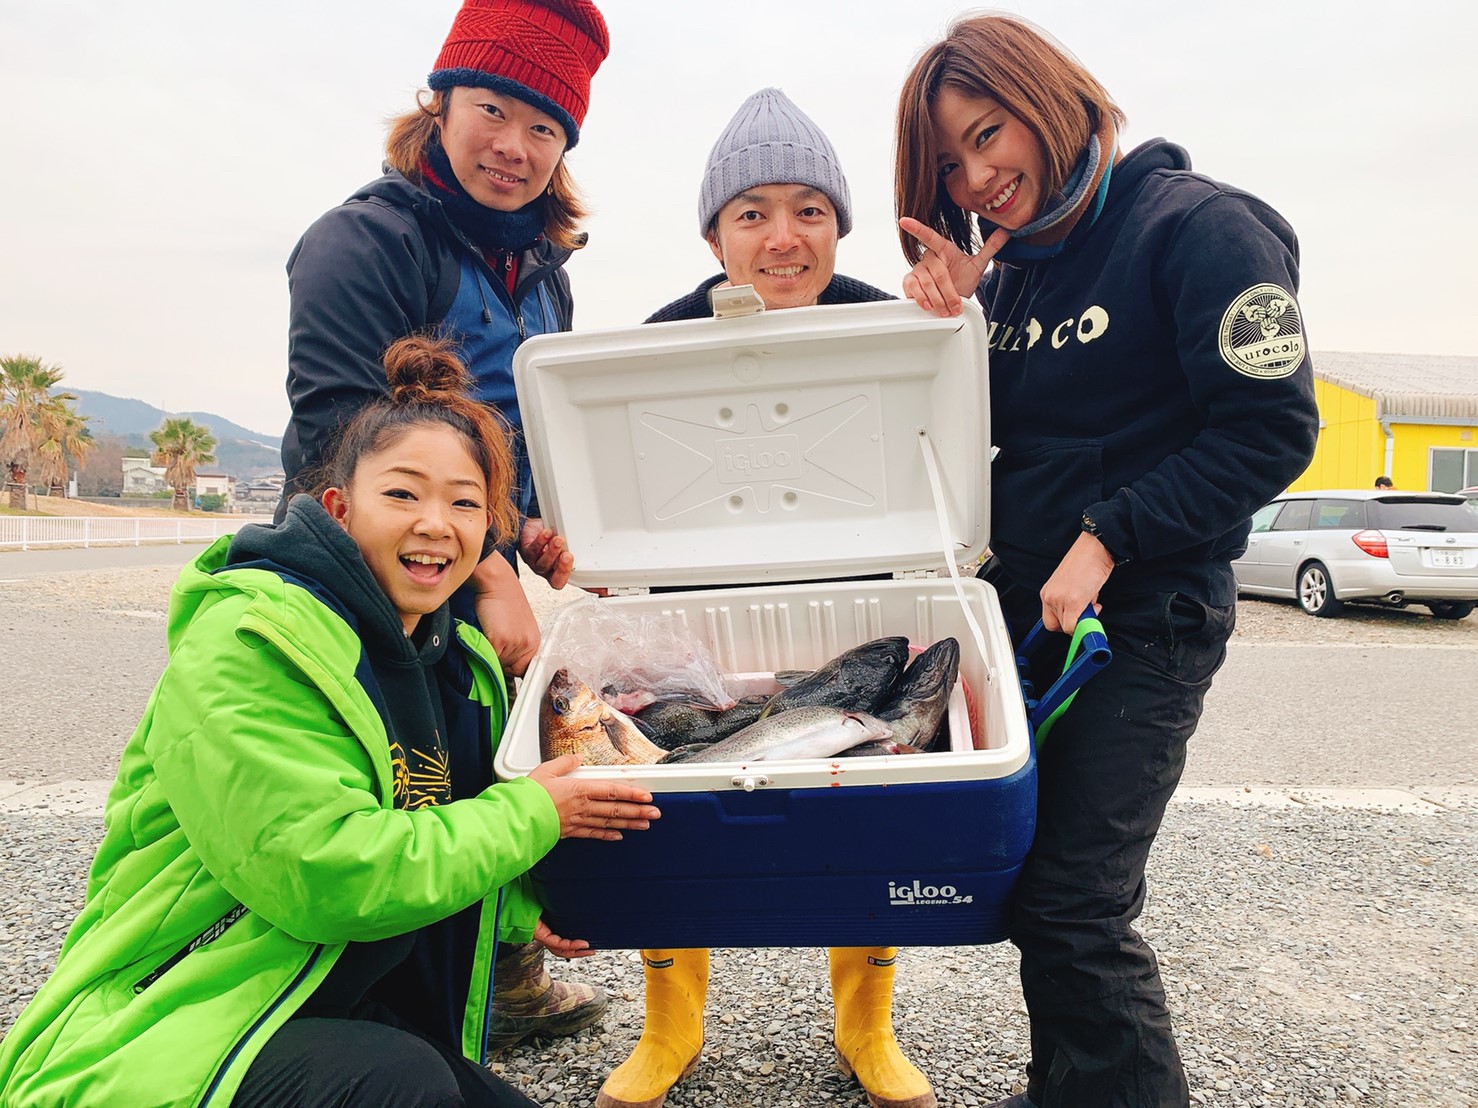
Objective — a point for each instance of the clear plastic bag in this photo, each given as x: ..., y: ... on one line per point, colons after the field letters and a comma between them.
x: 631, y: 660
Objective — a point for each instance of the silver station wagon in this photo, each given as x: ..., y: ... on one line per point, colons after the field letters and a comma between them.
x: 1383, y: 546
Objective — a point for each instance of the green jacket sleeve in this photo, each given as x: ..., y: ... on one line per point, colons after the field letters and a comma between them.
x: 283, y: 801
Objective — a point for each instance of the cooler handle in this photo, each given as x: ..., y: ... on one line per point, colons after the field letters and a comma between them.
x: 1087, y: 654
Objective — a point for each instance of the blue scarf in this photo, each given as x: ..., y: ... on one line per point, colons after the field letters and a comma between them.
x: 1083, y: 195
x: 490, y: 229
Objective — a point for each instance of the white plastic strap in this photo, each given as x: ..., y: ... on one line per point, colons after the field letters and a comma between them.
x: 936, y: 488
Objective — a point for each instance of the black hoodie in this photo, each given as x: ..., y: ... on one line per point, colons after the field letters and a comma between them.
x: 1153, y: 375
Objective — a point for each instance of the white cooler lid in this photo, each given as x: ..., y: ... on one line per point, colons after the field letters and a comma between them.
x: 782, y: 446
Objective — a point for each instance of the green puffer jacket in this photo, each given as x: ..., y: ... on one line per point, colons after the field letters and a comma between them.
x: 258, y: 786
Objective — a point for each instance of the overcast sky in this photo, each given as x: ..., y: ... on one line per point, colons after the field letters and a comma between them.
x: 162, y: 157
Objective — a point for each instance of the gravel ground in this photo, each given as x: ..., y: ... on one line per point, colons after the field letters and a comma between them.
x: 1311, y: 955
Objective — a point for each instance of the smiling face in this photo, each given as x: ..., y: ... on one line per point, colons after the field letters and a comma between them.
x: 417, y: 510
x: 990, y: 162
x: 782, y: 239
x: 502, y: 150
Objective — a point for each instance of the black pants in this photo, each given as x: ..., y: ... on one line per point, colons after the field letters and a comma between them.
x: 333, y: 1063
x: 1100, y: 1029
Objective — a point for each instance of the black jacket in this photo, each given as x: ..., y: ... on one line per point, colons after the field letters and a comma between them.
x: 840, y: 290
x: 1154, y: 375
x: 385, y: 264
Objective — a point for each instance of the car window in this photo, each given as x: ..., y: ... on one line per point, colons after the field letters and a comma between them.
x: 1421, y: 514
x: 1262, y: 519
x: 1339, y: 515
x: 1294, y: 516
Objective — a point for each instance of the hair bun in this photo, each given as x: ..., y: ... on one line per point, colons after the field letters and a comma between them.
x: 424, y: 370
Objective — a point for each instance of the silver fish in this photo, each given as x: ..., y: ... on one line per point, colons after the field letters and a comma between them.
x: 813, y: 731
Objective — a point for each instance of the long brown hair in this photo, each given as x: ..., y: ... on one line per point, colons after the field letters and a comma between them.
x: 428, y: 385
x: 411, y: 135
x: 1027, y: 73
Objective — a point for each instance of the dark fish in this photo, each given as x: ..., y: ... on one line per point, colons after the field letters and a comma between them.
x: 630, y: 699
x: 920, y: 700
x: 573, y: 720
x: 858, y: 679
x: 813, y: 731
x: 674, y: 723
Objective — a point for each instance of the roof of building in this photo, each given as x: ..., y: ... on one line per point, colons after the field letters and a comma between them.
x: 1414, y: 387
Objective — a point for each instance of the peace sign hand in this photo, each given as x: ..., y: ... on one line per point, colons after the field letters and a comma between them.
x: 946, y: 273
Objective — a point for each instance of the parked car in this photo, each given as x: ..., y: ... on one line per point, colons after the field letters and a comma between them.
x: 1325, y: 548
x: 1471, y: 494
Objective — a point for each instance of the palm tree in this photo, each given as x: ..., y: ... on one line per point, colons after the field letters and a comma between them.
x: 25, y: 392
x: 179, y: 446
x: 68, y: 442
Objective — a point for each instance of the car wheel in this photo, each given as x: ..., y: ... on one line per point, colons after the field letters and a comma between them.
x: 1451, y: 609
x: 1316, y: 591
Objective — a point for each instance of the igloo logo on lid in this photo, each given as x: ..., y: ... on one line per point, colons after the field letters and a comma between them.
x: 766, y: 458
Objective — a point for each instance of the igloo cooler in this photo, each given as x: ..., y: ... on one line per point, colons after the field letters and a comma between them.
x: 797, y: 483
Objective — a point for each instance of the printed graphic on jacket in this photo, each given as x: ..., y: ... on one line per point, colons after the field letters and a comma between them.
x: 1262, y: 333
x: 423, y: 778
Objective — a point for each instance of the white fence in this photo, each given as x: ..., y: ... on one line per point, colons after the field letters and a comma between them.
x: 40, y: 532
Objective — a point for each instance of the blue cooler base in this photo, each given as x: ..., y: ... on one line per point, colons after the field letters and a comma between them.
x: 901, y: 865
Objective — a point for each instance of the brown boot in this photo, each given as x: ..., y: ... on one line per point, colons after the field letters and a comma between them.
x: 528, y: 1003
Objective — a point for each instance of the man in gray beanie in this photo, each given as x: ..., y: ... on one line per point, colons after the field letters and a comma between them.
x: 772, y: 206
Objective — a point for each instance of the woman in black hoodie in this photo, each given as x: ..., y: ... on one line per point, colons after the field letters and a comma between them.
x: 1150, y: 388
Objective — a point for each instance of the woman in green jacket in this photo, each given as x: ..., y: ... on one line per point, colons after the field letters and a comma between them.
x: 306, y: 865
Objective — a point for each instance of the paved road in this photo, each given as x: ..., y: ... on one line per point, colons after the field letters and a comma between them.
x: 18, y: 565
x: 1336, y: 714
x: 1354, y: 713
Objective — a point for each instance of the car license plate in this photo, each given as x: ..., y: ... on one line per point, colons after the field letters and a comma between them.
x: 1452, y: 558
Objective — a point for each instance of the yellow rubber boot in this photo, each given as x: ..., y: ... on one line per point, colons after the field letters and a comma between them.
x: 862, y: 989
x: 672, y: 1036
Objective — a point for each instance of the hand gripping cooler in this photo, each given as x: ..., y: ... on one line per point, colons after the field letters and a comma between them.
x: 785, y: 455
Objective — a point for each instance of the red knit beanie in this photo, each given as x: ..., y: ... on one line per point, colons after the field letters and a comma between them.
x: 542, y: 51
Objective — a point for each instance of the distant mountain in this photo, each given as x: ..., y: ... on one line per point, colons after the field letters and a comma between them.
x: 119, y: 416
x: 240, y: 451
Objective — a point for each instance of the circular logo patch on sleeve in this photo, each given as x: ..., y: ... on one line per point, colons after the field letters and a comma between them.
x: 1262, y: 334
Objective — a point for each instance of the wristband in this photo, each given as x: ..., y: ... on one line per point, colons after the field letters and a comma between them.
x: 1089, y: 526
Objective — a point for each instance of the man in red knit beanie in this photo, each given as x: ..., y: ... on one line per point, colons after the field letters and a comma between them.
x: 466, y: 235
x: 542, y: 53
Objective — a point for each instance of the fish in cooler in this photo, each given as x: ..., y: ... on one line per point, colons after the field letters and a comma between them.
x: 573, y: 720
x: 859, y: 679
x: 865, y: 701
x: 918, y: 703
x: 674, y: 723
x: 811, y: 731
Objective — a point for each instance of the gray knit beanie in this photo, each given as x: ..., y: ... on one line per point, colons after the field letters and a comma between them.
x: 771, y: 142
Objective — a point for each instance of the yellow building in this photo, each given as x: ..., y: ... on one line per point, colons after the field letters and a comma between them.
x: 1412, y: 417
